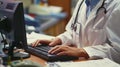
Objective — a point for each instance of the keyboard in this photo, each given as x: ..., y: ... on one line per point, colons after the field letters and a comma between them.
x: 42, y: 52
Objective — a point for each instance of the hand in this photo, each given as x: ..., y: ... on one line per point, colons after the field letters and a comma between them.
x: 34, y: 44
x: 56, y: 41
x: 52, y: 42
x: 69, y: 51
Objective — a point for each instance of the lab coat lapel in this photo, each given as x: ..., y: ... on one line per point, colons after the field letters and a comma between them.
x: 93, y: 13
x: 89, y: 23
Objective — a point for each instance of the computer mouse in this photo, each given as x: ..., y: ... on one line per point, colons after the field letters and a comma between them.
x: 25, y: 63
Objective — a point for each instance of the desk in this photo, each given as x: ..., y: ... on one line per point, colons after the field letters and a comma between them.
x: 37, y: 59
x: 93, y: 63
x: 42, y: 61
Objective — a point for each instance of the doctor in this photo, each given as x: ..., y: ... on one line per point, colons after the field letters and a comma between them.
x: 92, y: 32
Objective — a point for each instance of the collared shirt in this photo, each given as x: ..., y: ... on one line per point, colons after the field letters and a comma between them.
x: 90, y: 5
x: 93, y: 3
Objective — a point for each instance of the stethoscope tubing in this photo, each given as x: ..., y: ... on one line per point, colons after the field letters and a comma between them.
x: 75, y: 21
x: 76, y: 17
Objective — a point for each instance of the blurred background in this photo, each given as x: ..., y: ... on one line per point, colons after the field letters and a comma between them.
x: 47, y: 16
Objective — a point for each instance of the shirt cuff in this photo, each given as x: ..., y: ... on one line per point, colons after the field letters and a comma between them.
x: 62, y: 38
x: 65, y: 38
x: 94, y: 53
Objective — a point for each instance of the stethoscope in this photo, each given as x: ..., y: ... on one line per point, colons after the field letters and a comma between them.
x: 74, y: 24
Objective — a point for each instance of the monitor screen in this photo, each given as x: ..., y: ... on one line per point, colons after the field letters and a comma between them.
x: 13, y: 11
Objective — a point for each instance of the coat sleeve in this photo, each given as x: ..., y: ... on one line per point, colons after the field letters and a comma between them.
x: 112, y: 50
x: 67, y: 35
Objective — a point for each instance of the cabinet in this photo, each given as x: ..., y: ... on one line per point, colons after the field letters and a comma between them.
x: 65, y: 4
x: 56, y: 29
x: 60, y: 27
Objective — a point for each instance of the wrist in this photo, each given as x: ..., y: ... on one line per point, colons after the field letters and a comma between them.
x: 83, y: 53
x: 55, y: 41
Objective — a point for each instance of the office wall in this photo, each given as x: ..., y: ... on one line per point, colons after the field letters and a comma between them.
x: 26, y: 3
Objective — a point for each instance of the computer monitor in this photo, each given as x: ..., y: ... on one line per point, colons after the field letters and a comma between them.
x: 14, y: 30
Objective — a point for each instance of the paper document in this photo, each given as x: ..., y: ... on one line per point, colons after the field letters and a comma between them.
x: 35, y: 36
x: 91, y: 63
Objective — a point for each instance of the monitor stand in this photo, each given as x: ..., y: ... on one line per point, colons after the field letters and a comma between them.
x: 16, y: 55
x: 11, y: 54
x: 9, y: 51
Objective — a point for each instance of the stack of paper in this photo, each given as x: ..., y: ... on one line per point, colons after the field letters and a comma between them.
x: 35, y: 36
x: 91, y: 63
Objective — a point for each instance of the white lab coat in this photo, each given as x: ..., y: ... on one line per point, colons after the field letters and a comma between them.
x: 93, y: 32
